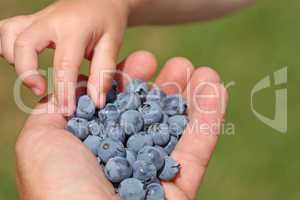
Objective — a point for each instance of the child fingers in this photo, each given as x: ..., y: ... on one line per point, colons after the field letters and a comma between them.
x: 103, y: 67
x: 8, y: 37
x: 138, y: 65
x: 9, y: 31
x: 68, y: 56
x: 26, y: 49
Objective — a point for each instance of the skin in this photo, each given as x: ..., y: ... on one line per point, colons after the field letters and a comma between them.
x: 91, y: 29
x: 53, y: 164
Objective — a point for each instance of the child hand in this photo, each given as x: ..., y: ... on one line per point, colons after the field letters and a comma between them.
x: 75, y: 29
x: 91, y: 29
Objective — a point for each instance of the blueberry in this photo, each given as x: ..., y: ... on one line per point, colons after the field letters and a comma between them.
x: 79, y: 127
x: 85, y: 107
x: 152, y: 112
x: 132, y: 137
x: 127, y: 101
x: 155, y: 192
x: 110, y: 148
x: 107, y: 124
x: 171, y: 145
x: 109, y: 113
x: 92, y: 142
x: 112, y: 93
x: 177, y: 124
x: 101, y: 117
x: 132, y: 189
x: 155, y: 95
x: 174, y: 104
x: 164, y: 118
x: 117, y: 169
x: 162, y: 151
x: 111, y: 96
x: 139, y: 87
x: 131, y: 121
x: 170, y: 169
x: 144, y: 171
x: 154, y: 180
x: 96, y: 127
x: 137, y: 141
x: 159, y: 133
x: 151, y: 155
x: 114, y: 131
x: 130, y: 156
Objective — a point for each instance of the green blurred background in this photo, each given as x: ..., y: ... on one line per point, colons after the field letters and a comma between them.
x: 256, y: 162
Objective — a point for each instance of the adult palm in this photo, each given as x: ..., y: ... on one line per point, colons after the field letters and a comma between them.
x: 53, y: 164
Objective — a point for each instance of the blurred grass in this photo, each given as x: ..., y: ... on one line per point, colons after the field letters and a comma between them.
x: 255, y: 163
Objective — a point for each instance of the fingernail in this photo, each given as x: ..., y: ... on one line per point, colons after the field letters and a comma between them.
x: 37, y: 91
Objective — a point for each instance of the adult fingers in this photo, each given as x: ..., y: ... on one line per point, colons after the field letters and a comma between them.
x: 138, y: 65
x: 26, y: 49
x: 68, y: 56
x: 175, y: 75
x: 103, y: 67
x: 205, y: 96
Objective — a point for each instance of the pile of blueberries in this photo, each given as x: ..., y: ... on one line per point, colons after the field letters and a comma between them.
x: 133, y: 136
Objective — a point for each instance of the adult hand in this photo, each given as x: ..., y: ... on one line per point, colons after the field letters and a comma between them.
x: 53, y: 164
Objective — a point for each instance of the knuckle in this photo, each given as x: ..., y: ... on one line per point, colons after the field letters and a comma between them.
x: 14, y: 24
x: 63, y: 99
x: 6, y: 28
x: 9, y: 26
x: 64, y: 63
x: 22, y: 41
x: 59, y: 76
